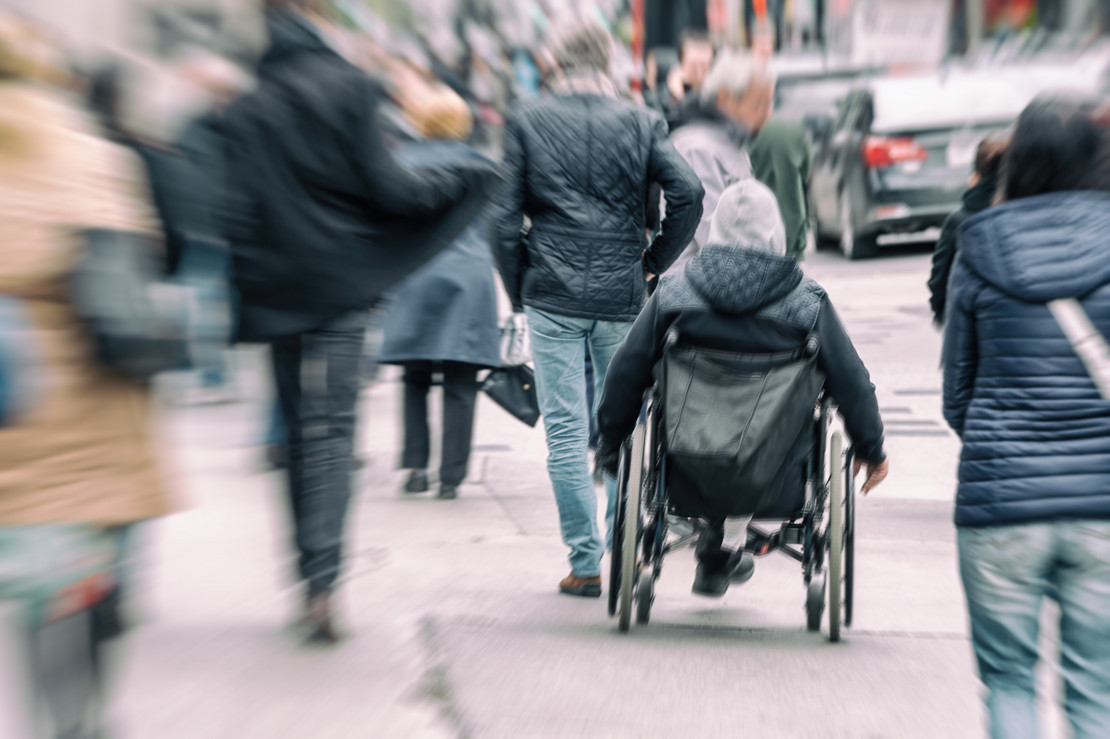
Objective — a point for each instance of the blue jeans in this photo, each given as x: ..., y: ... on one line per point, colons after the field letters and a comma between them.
x: 559, y: 348
x: 1007, y: 572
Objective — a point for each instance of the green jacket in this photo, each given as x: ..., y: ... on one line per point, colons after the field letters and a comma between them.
x: 781, y: 160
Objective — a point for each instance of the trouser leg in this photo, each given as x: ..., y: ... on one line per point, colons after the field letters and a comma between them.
x: 417, y: 381
x: 460, y: 395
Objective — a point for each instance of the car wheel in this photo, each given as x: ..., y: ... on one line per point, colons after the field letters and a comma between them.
x: 853, y: 245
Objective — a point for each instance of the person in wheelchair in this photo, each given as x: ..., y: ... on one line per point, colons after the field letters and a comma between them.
x: 740, y: 294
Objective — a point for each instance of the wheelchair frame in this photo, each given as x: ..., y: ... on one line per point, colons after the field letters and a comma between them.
x: 823, y: 529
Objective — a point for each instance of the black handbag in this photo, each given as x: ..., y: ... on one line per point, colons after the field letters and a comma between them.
x: 514, y: 389
x: 137, y: 321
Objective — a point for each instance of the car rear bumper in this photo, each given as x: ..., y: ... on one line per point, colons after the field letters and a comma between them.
x: 904, y: 218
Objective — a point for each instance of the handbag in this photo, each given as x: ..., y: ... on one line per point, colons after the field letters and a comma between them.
x: 516, y: 343
x: 1088, y: 343
x: 514, y: 389
x: 137, y: 320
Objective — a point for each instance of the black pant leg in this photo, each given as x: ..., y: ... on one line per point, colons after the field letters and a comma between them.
x: 460, y: 394
x: 286, y: 358
x: 321, y: 435
x: 417, y: 382
x: 711, y: 550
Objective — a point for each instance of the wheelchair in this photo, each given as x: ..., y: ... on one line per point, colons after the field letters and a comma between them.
x: 812, y: 518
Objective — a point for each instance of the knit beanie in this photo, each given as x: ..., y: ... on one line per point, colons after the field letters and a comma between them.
x: 747, y: 217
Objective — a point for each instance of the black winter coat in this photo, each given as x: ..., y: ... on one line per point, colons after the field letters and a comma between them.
x: 741, y: 300
x: 322, y: 219
x: 580, y: 167
x: 975, y: 200
x: 1036, y: 433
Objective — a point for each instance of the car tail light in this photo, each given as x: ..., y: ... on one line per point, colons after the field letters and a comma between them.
x: 879, y: 152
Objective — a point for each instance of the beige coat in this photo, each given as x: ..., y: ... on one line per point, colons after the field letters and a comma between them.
x: 85, y: 450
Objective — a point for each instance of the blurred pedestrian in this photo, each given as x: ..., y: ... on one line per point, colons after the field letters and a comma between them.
x: 578, y: 165
x: 742, y: 293
x: 1033, y: 502
x: 781, y: 160
x: 732, y: 107
x: 322, y: 222
x: 443, y: 320
x: 81, y: 462
x: 684, y: 81
x: 206, y: 261
x: 980, y: 195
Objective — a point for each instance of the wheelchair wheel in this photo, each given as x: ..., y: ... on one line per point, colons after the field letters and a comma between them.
x: 815, y: 602
x: 631, y: 528
x: 645, y: 595
x: 836, y: 536
x: 849, y: 540
x: 618, y: 531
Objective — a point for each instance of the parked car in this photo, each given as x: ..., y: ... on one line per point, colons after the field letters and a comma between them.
x: 900, y: 153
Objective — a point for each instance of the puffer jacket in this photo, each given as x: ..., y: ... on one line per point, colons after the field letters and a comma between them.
x: 975, y: 200
x: 741, y: 300
x: 1036, y: 434
x: 580, y: 168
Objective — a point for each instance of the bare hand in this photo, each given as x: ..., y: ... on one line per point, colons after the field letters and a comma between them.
x: 876, y: 473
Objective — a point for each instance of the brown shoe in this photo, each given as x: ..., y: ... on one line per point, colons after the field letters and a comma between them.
x: 584, y: 587
x: 318, y: 623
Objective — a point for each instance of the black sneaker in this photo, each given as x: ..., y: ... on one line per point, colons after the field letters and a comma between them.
x: 417, y: 482
x: 743, y: 570
x: 710, y: 583
x: 448, y: 492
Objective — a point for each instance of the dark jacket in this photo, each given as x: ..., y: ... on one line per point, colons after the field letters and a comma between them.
x: 781, y: 160
x: 1036, y: 434
x: 741, y: 300
x: 975, y: 200
x: 322, y: 220
x: 447, y: 310
x: 202, y: 145
x: 580, y: 168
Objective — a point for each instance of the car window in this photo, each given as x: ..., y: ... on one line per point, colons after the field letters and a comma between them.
x: 846, y: 116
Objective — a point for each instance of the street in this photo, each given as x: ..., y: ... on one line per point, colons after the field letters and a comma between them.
x: 456, y: 627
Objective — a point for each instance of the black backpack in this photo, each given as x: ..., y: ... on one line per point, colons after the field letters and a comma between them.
x: 739, y: 428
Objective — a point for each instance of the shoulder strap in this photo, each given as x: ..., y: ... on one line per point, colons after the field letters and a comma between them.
x: 1086, y: 340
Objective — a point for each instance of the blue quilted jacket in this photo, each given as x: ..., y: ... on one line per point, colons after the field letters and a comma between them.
x: 1036, y: 434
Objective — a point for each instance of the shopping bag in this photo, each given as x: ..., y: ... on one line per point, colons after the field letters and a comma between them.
x: 514, y: 389
x: 516, y: 344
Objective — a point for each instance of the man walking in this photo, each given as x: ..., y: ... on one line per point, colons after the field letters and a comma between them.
x: 733, y: 105
x: 579, y: 165
x: 322, y: 222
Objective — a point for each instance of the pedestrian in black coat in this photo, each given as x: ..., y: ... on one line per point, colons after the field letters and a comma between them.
x: 979, y: 196
x: 323, y: 221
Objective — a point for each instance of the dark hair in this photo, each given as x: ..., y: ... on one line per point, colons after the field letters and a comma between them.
x: 691, y: 36
x: 1099, y: 177
x: 1053, y: 148
x: 989, y: 153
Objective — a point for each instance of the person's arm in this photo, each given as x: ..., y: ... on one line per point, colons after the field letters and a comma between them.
x: 629, y: 375
x: 684, y: 195
x: 944, y: 254
x: 849, y: 383
x: 509, y: 250
x: 393, y: 190
x: 961, y: 351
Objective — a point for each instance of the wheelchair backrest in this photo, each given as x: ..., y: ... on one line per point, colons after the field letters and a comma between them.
x: 745, y: 411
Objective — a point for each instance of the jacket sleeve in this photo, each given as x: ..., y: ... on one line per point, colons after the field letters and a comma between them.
x: 849, y: 383
x: 393, y: 190
x: 509, y: 250
x: 961, y: 351
x: 629, y: 375
x: 683, y: 192
x: 943, y: 256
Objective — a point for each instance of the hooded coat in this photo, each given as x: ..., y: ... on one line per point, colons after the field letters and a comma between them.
x: 741, y: 300
x: 321, y: 219
x: 1036, y: 433
x: 85, y: 450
